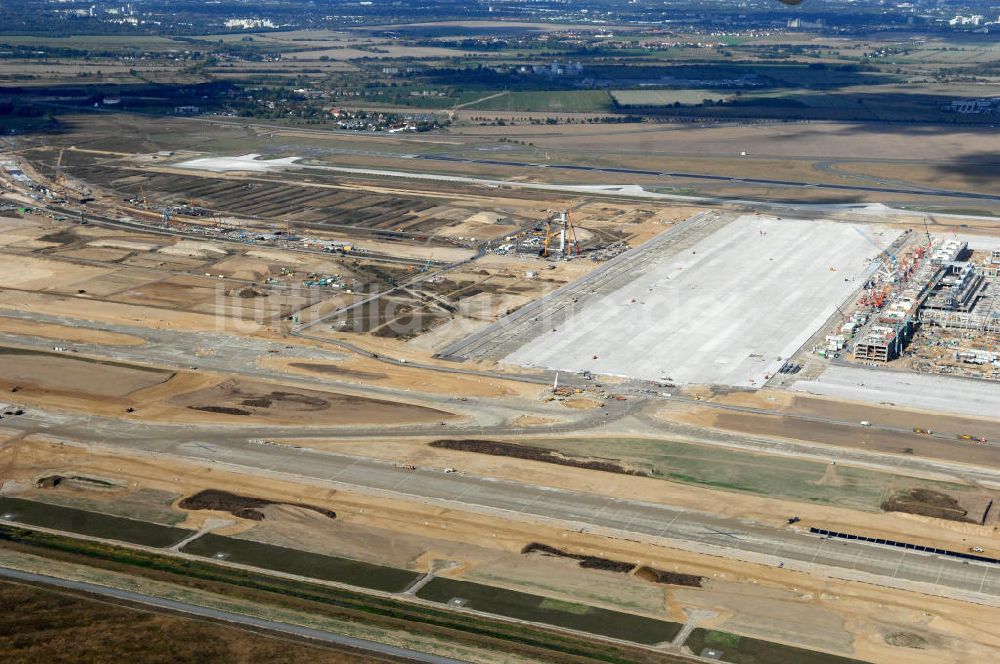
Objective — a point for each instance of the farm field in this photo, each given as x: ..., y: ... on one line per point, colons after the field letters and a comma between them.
x: 41, y: 624
x: 574, y: 101
x: 664, y: 97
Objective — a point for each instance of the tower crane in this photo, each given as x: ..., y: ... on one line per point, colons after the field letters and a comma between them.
x: 59, y: 178
x: 560, y: 227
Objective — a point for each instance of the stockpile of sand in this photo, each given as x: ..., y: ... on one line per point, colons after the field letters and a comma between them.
x: 194, y: 248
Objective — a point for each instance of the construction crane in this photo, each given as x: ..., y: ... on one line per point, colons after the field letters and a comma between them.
x: 927, y: 232
x: 59, y: 179
x: 561, y: 227
x: 574, y: 243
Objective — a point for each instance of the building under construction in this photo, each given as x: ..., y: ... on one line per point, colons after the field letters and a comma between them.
x: 938, y: 286
x: 553, y: 238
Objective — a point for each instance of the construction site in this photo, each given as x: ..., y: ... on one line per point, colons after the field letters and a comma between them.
x: 933, y: 306
x: 652, y: 426
x: 680, y: 301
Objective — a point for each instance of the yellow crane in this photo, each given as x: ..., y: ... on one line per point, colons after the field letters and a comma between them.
x: 561, y: 227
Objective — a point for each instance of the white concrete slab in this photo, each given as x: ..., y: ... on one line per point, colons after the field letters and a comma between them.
x: 721, y: 313
x: 248, y: 162
x: 946, y: 394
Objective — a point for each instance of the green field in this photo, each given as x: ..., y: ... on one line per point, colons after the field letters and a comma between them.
x: 691, y: 96
x: 302, y: 563
x: 733, y: 470
x: 743, y: 650
x: 536, y: 608
x: 93, y: 524
x: 553, y: 101
x: 102, y: 42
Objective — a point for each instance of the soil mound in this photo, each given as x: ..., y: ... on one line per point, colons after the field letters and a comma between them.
x: 244, y: 507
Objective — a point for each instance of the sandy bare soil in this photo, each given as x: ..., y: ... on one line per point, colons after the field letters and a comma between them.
x: 75, y: 383
x: 237, y: 400
x: 364, y: 371
x: 56, y: 376
x: 848, y: 435
x: 152, y: 283
x: 64, y: 333
x: 43, y: 274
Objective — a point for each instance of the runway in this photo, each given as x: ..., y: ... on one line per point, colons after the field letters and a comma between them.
x: 716, y: 178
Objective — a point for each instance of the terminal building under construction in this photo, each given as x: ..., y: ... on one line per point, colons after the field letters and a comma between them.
x: 940, y: 286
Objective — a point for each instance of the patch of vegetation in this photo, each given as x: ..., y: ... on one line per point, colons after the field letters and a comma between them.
x: 302, y: 563
x: 39, y: 625
x: 524, y: 606
x: 744, y: 650
x: 93, y: 524
x: 725, y: 639
x: 497, y: 448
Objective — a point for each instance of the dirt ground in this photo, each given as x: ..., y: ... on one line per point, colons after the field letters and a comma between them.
x: 72, y: 383
x: 68, y: 376
x: 44, y: 274
x: 365, y: 371
x: 848, y: 435
x: 849, y: 618
x: 769, y: 511
x: 239, y: 399
x: 66, y: 333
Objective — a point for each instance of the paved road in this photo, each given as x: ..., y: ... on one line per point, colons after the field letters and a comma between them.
x: 227, y: 616
x: 676, y: 527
